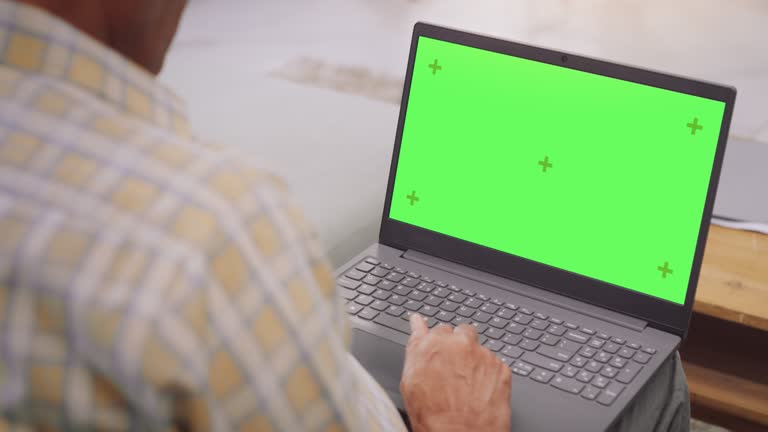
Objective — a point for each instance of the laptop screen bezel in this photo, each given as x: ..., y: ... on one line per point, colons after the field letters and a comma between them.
x: 662, y: 314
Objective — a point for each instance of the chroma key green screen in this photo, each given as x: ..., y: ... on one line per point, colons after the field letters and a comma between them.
x: 594, y: 175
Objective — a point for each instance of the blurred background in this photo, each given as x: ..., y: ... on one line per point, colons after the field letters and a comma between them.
x: 313, y: 87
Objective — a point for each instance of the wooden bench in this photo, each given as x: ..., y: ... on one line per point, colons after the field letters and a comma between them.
x: 726, y: 353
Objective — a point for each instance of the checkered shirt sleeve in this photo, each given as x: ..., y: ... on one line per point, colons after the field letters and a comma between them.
x: 149, y: 281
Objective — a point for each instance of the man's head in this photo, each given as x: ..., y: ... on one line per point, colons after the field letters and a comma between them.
x: 141, y: 30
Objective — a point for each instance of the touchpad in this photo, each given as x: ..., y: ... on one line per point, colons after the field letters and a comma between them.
x: 383, y: 359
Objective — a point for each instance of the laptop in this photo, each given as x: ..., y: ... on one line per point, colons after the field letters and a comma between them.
x: 558, y: 203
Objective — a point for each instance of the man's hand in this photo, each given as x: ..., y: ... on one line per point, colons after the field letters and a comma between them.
x: 452, y: 383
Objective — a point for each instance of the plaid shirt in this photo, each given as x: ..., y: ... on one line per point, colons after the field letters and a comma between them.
x: 149, y: 281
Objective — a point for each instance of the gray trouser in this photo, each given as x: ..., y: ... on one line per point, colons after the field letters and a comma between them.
x: 662, y: 405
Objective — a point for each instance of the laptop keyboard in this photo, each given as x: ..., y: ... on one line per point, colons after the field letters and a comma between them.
x: 577, y: 360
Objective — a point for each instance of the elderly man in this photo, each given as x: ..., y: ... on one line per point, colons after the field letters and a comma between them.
x: 150, y: 281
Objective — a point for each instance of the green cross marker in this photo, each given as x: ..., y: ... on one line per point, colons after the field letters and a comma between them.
x: 545, y: 164
x: 664, y: 270
x: 695, y: 126
x: 435, y: 67
x: 413, y: 197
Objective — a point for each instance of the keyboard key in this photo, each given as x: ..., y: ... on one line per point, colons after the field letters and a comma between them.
x: 473, y: 303
x: 618, y: 341
x: 413, y: 305
x: 364, y: 267
x: 353, y: 308
x: 628, y: 373
x: 397, y: 300
x: 590, y: 393
x: 532, y: 334
x: 427, y: 288
x: 367, y: 314
x: 626, y: 353
x: 371, y: 280
x: 576, y: 337
x: 445, y: 316
x: 409, y: 282
x: 514, y: 328
x: 349, y: 283
x: 610, y: 394
x: 593, y: 366
x: 364, y: 300
x: 393, y: 323
x: 555, y: 353
x: 468, y: 292
x: 395, y: 311
x: 465, y: 311
x: 400, y: 270
x: 506, y: 360
x: 387, y: 266
x: 386, y: 285
x: 494, y: 345
x: 457, y: 298
x: 541, y: 361
x: 449, y: 306
x: 379, y: 305
x: 542, y: 376
x: 526, y: 311
x: 556, y: 321
x: 539, y: 324
x: 511, y: 306
x: 642, y: 357
x: 494, y: 333
x: 569, y: 371
x: 602, y: 335
x: 483, y: 297
x: 481, y: 339
x: 618, y: 362
x: 432, y: 322
x: 529, y: 344
x: 569, y: 345
x: 347, y: 294
x: 441, y: 292
x: 567, y: 385
x: 427, y: 279
x: 505, y: 313
x: 428, y: 311
x: 522, y: 369
x: 380, y: 272
x: 549, y: 340
x: 480, y: 327
x: 578, y: 361
x: 497, y: 302
x: 609, y: 372
x: 522, y: 319
x: 611, y: 347
x: 587, y: 331
x: 498, y: 323
x: 633, y: 345
x: 512, y: 351
x: 453, y: 288
x: 367, y: 289
x: 481, y: 317
x: 571, y: 326
x: 650, y: 351
x: 417, y: 295
x: 596, y: 343
x: 489, y: 308
x: 355, y: 274
x: 587, y: 352
x: 402, y: 290
x: 414, y: 275
x: 556, y: 330
x: 372, y: 260
x: 585, y: 376
x: 541, y: 316
x: 433, y: 301
x: 511, y: 339
x: 442, y: 284
x: 602, y: 357
x: 600, y: 381
x: 394, y: 277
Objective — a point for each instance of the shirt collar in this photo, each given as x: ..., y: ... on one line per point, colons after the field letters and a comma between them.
x: 38, y: 42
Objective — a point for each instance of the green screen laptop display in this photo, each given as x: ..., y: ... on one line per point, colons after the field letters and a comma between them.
x: 594, y: 175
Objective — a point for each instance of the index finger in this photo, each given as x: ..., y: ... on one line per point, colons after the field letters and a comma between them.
x: 467, y: 332
x: 418, y: 326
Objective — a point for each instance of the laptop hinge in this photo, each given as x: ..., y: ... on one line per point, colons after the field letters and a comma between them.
x: 527, y: 290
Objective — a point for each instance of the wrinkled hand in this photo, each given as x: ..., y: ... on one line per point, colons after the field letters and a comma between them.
x: 452, y: 383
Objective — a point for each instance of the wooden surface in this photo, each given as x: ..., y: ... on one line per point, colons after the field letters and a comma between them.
x: 727, y: 393
x: 733, y: 285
